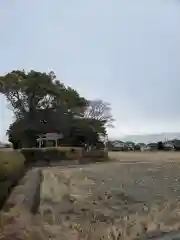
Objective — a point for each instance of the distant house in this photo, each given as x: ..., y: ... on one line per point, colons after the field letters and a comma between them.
x: 142, y: 146
x: 116, y: 145
x: 129, y: 145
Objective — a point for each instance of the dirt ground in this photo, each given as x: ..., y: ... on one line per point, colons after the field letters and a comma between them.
x: 135, y: 197
x: 146, y: 156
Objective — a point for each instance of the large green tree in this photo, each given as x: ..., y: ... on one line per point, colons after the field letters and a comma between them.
x: 27, y: 92
x: 43, y: 104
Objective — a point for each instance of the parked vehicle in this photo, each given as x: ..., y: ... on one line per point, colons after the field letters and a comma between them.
x: 168, y: 147
x: 152, y: 146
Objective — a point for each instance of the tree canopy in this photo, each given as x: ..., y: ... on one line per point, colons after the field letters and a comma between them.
x: 43, y: 104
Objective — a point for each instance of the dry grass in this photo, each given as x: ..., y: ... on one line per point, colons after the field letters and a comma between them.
x: 83, y: 204
x: 110, y: 201
x: 20, y: 225
x: 145, y: 156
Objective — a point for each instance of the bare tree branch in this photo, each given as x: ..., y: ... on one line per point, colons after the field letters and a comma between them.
x: 99, y: 110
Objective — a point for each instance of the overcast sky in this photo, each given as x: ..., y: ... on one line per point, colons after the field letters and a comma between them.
x: 126, y: 52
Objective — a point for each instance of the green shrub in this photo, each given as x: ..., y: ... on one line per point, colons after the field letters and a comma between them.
x: 96, y: 155
x: 72, y: 153
x: 5, y: 188
x: 11, y: 169
x: 11, y: 164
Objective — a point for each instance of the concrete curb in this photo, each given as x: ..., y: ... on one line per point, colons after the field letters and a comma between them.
x: 26, y: 195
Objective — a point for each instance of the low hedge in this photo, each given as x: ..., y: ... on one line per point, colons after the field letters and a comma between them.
x: 96, y: 154
x: 11, y: 170
x: 33, y: 155
x: 46, y: 155
x: 26, y: 196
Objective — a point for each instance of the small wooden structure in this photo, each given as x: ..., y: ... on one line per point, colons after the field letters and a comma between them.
x: 49, y: 137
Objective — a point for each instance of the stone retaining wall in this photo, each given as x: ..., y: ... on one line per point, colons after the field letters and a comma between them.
x: 18, y: 219
x: 26, y: 195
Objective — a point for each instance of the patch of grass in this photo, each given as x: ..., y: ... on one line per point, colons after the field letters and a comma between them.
x: 11, y: 169
x: 11, y: 164
x: 20, y: 225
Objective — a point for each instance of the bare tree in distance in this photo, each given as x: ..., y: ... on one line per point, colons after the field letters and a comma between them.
x: 99, y: 110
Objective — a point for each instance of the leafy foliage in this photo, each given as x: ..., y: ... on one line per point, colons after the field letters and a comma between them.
x: 160, y: 145
x: 43, y: 104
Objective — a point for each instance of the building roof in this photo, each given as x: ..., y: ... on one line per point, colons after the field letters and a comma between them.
x: 50, y: 136
x: 152, y: 145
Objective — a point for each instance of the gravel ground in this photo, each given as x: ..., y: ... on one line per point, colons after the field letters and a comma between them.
x: 116, y: 200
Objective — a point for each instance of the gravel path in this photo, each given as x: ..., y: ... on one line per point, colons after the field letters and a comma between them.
x: 111, y: 200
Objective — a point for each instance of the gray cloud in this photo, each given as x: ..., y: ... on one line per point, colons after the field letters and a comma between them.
x: 124, y: 51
